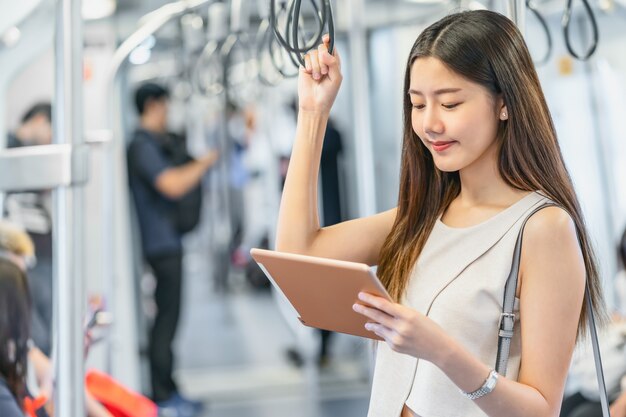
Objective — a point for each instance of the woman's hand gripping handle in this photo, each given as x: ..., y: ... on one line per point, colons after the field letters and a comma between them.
x: 320, y: 79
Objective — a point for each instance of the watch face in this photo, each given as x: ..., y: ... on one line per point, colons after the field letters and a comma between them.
x: 491, y: 381
x: 488, y: 386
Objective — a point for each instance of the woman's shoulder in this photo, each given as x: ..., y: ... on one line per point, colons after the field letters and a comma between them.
x: 550, y: 223
x: 550, y: 239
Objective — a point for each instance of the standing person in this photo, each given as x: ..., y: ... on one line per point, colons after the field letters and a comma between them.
x: 479, y: 155
x: 159, y: 184
x: 33, y: 211
x: 240, y: 128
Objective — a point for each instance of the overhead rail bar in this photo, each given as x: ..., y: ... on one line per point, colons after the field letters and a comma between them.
x: 152, y: 22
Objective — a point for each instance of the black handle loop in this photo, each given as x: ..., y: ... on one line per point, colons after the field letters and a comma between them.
x: 269, y: 51
x: 294, y: 33
x: 566, y: 22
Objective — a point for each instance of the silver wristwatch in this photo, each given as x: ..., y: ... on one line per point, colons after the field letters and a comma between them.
x: 488, y: 386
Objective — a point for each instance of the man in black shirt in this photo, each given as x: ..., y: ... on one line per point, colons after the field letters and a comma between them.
x: 159, y: 183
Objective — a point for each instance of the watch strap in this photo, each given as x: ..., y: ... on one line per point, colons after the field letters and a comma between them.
x: 487, y: 387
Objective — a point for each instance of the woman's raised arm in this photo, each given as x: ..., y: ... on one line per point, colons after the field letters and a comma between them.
x: 299, y: 228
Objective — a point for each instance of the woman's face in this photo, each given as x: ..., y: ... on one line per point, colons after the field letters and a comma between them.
x: 456, y: 119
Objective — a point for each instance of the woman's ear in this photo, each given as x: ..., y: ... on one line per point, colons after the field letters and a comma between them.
x: 503, y: 113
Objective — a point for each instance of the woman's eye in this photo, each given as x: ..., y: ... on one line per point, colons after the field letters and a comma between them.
x: 450, y: 106
x: 418, y: 106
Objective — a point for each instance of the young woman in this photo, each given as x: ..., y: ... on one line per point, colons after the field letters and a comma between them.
x: 479, y: 154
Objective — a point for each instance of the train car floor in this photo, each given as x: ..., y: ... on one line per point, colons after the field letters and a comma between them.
x: 233, y: 349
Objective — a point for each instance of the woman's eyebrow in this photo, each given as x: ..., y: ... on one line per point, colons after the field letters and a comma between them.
x: 437, y: 92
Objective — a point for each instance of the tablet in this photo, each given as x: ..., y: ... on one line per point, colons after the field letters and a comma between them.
x: 322, y: 291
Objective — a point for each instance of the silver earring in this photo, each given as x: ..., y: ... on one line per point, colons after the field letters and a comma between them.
x: 504, y: 115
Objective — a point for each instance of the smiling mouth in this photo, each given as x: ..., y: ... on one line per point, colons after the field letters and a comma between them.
x: 440, y: 146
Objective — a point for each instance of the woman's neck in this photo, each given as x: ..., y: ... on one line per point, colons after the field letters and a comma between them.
x: 482, y: 184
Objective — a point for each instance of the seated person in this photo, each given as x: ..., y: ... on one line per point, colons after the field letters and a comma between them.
x: 14, y: 336
x: 35, y: 376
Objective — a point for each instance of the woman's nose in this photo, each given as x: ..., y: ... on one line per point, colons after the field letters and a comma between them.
x: 433, y: 124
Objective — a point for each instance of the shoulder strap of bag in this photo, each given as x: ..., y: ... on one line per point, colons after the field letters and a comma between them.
x: 604, y: 398
x: 507, y: 319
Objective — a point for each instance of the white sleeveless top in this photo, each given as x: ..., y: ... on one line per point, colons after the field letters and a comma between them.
x: 458, y: 282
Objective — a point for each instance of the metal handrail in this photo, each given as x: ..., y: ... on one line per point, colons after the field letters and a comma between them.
x: 152, y: 22
x: 68, y: 233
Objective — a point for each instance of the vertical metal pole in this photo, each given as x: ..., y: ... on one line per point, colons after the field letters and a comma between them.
x: 366, y: 185
x: 516, y: 11
x: 3, y: 144
x: 108, y: 253
x: 68, y: 225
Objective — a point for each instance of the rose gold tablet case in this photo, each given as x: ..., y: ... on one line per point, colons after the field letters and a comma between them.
x: 322, y: 290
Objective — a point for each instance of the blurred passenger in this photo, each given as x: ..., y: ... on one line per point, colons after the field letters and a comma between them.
x: 585, y: 401
x: 35, y: 127
x: 163, y: 179
x: 331, y: 203
x: 259, y: 196
x: 241, y: 129
x: 32, y: 210
x: 17, y: 248
x: 14, y: 335
x: 480, y: 156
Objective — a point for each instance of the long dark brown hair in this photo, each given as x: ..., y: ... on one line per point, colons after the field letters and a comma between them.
x: 14, y: 327
x: 486, y: 48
